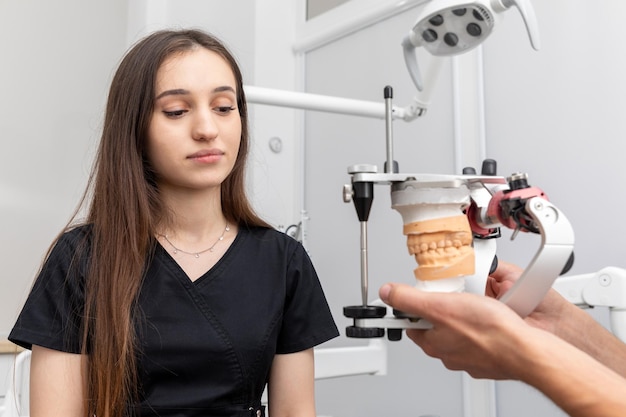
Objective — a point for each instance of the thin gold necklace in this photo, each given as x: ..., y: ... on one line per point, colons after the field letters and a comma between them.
x: 196, y: 254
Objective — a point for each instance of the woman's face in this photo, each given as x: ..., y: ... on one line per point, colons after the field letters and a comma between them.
x: 195, y: 130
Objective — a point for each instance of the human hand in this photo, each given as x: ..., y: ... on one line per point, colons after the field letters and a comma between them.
x: 470, y: 332
x: 548, y: 315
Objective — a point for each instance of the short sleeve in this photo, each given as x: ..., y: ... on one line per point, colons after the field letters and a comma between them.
x: 52, y: 314
x: 307, y: 320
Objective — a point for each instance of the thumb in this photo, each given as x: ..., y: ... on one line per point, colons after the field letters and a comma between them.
x: 406, y: 299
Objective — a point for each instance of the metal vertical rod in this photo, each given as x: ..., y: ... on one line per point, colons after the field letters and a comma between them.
x: 364, y: 266
x: 389, y: 168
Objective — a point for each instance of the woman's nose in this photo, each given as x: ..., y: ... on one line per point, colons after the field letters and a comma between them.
x: 204, y: 126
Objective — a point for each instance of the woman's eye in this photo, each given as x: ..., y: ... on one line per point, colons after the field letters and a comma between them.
x: 174, y: 113
x: 225, y: 109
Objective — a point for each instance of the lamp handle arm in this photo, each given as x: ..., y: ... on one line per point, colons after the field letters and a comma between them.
x: 530, y: 20
x: 410, y: 58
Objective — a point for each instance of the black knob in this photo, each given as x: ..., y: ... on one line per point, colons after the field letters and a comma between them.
x: 388, y: 92
x: 393, y: 335
x: 364, y: 332
x: 490, y: 167
x: 518, y: 181
x: 363, y: 196
x: 364, y: 312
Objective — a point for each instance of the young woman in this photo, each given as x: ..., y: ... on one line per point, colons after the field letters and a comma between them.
x: 172, y: 298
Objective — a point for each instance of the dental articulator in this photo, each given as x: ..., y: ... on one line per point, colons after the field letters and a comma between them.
x: 452, y: 223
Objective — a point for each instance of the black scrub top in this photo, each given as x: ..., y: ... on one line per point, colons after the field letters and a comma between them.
x: 205, y: 346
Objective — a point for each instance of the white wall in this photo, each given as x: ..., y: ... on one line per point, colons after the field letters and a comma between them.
x: 57, y: 60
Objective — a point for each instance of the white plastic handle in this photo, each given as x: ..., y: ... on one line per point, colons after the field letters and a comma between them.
x: 618, y: 323
x: 530, y: 20
x: 557, y: 245
x: 410, y: 59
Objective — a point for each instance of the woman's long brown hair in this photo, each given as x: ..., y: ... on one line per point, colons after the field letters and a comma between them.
x: 124, y: 209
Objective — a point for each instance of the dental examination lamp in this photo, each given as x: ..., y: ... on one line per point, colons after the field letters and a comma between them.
x: 453, y: 27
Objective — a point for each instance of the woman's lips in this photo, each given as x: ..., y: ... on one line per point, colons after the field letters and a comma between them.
x: 207, y: 156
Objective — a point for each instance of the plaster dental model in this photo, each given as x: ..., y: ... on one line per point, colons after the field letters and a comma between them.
x: 438, y: 233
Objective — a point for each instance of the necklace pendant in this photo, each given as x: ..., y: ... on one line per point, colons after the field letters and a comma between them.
x: 196, y: 255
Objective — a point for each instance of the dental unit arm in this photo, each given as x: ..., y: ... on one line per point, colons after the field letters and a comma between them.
x: 489, y: 202
x: 604, y: 288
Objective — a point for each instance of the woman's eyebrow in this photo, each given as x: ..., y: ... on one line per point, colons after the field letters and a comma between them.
x: 174, y: 92
x: 224, y: 88
x: 182, y: 91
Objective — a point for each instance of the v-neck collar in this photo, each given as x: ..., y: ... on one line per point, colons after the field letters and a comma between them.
x: 214, y: 271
